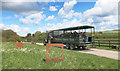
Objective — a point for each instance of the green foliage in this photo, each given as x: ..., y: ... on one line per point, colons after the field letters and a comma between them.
x: 28, y: 37
x: 38, y: 36
x: 42, y: 37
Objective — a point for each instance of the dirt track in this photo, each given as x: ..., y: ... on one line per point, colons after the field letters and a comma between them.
x: 100, y: 52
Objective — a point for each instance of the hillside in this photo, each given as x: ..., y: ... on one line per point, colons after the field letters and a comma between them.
x: 9, y: 35
x: 107, y: 34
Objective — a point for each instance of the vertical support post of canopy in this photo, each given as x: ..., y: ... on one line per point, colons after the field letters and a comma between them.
x: 91, y: 37
x: 63, y: 31
x: 58, y: 33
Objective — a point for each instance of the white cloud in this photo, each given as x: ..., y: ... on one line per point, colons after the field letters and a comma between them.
x: 22, y: 31
x: 103, y: 8
x: 25, y: 8
x: 49, y: 24
x: 66, y: 11
x: 16, y: 15
x: 57, y: 6
x: 103, y: 14
x: 69, y: 5
x: 43, y: 8
x: 79, y: 15
x: 65, y: 20
x: 32, y: 19
x: 64, y: 24
x: 1, y: 26
x: 53, y: 8
x: 49, y: 18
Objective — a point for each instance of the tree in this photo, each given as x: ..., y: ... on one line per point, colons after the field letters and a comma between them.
x: 28, y: 37
x: 36, y: 36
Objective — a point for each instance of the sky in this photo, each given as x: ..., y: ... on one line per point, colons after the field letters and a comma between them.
x: 28, y: 17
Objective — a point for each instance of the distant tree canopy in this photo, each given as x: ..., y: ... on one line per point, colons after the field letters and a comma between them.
x: 28, y: 37
x: 36, y: 37
x: 9, y: 35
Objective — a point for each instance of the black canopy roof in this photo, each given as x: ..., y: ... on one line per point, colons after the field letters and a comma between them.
x: 76, y: 28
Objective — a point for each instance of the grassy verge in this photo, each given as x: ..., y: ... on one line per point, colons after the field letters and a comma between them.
x: 107, y: 48
x: 102, y: 47
x: 33, y: 56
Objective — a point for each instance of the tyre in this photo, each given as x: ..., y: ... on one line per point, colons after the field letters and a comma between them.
x: 44, y: 44
x: 67, y: 46
x: 72, y: 47
x: 76, y: 46
x: 49, y: 41
x: 83, y: 48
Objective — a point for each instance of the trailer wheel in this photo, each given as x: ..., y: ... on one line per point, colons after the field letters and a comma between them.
x: 49, y: 41
x: 72, y: 47
x: 67, y: 46
x: 83, y: 48
x: 44, y: 43
x: 76, y: 46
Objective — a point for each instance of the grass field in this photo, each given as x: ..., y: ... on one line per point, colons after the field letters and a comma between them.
x: 33, y: 56
x: 107, y: 35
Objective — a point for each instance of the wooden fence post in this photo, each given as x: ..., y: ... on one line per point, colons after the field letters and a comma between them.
x: 109, y: 43
x: 99, y: 43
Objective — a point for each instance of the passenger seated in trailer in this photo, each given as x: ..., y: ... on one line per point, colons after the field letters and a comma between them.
x: 85, y: 38
x: 74, y: 32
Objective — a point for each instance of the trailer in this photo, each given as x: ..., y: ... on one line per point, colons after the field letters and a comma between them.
x: 72, y: 37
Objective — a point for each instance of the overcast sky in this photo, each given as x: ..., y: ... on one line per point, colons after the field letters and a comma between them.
x: 28, y: 17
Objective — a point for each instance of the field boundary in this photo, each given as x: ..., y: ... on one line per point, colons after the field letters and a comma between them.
x: 107, y: 43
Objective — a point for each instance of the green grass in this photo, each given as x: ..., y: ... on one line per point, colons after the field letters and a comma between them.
x: 32, y: 56
x: 106, y: 48
x: 103, y: 47
x: 107, y: 35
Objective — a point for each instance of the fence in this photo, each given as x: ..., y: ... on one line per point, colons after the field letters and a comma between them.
x: 107, y: 43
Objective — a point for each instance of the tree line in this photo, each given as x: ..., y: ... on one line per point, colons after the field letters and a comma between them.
x: 10, y: 35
